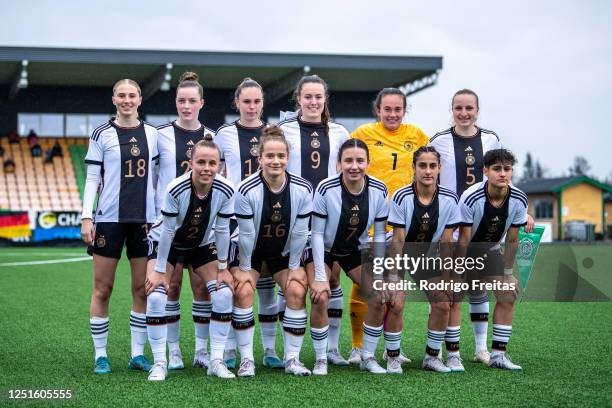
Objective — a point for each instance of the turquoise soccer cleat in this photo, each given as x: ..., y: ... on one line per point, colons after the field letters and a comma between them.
x: 139, y: 363
x: 102, y: 366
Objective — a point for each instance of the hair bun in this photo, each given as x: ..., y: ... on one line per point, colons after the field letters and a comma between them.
x: 208, y: 137
x: 272, y: 130
x: 189, y: 76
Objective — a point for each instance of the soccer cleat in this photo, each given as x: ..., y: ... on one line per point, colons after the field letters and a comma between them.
x: 218, y: 369
x: 201, y: 359
x: 176, y: 361
x: 102, y: 366
x: 370, y: 364
x: 158, y: 372
x: 295, y: 367
x: 335, y: 358
x: 432, y: 363
x: 482, y: 356
x: 229, y: 357
x: 355, y: 357
x: 271, y: 360
x: 502, y: 361
x: 139, y: 363
x: 402, y: 357
x: 394, y: 366
x: 320, y: 367
x: 247, y: 368
x: 455, y: 363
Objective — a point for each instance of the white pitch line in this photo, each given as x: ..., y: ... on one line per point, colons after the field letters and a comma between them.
x: 33, y: 253
x: 49, y: 261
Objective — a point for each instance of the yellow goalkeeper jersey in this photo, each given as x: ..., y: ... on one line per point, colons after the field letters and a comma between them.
x: 391, y: 152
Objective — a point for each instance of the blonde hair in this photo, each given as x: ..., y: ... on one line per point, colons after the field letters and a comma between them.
x: 271, y: 133
x: 128, y: 82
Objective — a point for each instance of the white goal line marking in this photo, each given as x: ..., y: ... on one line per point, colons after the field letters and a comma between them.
x: 49, y: 261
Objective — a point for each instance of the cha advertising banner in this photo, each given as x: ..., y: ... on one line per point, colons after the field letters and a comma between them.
x: 49, y: 225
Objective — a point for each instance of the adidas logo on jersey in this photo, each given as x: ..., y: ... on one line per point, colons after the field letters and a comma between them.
x: 355, y: 208
x: 254, y: 140
x: 496, y: 219
x: 378, y: 144
x: 469, y: 149
x: 314, y: 134
x: 277, y: 205
x: 133, y: 140
x: 198, y: 210
x: 426, y: 216
x: 190, y: 143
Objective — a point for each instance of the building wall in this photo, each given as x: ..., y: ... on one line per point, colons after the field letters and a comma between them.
x: 533, y: 198
x: 584, y: 203
x: 609, y: 217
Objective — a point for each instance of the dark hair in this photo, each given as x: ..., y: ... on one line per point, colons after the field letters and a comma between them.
x: 384, y: 92
x: 246, y: 83
x: 315, y: 79
x: 350, y: 143
x: 424, y: 149
x: 498, y: 156
x: 271, y: 133
x: 206, y: 141
x: 465, y: 91
x: 190, y: 80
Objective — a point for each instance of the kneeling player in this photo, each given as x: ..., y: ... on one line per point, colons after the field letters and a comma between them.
x: 345, y: 207
x: 489, y: 210
x: 195, y: 203
x: 426, y: 212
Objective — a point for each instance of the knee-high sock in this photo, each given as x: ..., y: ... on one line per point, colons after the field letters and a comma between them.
x: 334, y: 315
x: 294, y: 325
x: 99, y: 334
x: 370, y: 340
x: 358, y: 308
x: 173, y: 320
x: 479, y: 313
x: 201, y: 311
x: 138, y: 329
x: 156, y: 323
x: 267, y: 312
x: 220, y: 318
x: 243, y: 323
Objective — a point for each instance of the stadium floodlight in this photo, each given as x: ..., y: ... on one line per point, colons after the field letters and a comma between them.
x: 165, y: 86
x: 23, y: 78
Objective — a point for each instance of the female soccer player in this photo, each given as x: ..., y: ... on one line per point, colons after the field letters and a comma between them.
x: 425, y: 212
x: 126, y: 148
x: 314, y: 140
x: 239, y: 143
x: 195, y: 203
x: 392, y: 144
x: 176, y: 142
x: 273, y: 207
x: 345, y: 207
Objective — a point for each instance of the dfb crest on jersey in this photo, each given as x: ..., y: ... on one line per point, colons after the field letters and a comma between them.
x: 470, y: 160
x: 407, y: 146
x: 188, y: 153
x: 254, y: 151
x: 354, y: 220
x: 315, y: 143
x: 101, y: 241
x: 135, y: 151
x: 276, y: 217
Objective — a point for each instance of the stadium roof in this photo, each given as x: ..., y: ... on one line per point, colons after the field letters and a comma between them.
x: 221, y: 70
x: 556, y: 185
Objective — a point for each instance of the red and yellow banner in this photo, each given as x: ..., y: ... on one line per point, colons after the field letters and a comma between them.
x: 15, y: 225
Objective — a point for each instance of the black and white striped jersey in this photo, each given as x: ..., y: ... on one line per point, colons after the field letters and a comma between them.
x: 489, y: 223
x: 239, y: 149
x: 128, y: 164
x: 174, y: 145
x: 189, y: 221
x: 273, y: 224
x: 424, y: 223
x: 313, y: 150
x: 462, y: 157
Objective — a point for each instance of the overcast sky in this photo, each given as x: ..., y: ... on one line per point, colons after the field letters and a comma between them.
x: 543, y: 69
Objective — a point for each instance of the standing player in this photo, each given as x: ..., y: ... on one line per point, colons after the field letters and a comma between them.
x: 314, y: 141
x: 176, y: 142
x: 425, y: 212
x: 392, y: 144
x: 121, y: 158
x: 490, y: 209
x: 195, y: 203
x: 345, y: 207
x: 239, y: 144
x: 273, y: 207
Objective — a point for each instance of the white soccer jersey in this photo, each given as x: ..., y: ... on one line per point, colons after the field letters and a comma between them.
x: 424, y: 223
x: 313, y: 150
x: 174, y: 144
x: 239, y: 149
x: 266, y: 219
x: 462, y: 157
x: 128, y: 161
x: 188, y: 220
x: 489, y: 223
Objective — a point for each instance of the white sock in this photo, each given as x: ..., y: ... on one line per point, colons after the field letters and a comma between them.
x: 452, y: 337
x: 267, y: 312
x: 156, y: 323
x: 371, y: 335
x: 220, y: 318
x: 138, y: 329
x: 99, y: 334
x: 243, y: 322
x: 173, y: 319
x: 479, y: 313
x: 319, y: 341
x: 434, y: 342
x: 280, y: 307
x: 501, y: 337
x: 393, y: 341
x: 294, y: 326
x: 201, y: 311
x: 334, y: 315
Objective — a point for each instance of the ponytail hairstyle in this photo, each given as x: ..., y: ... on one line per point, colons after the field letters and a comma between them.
x: 246, y: 83
x: 190, y: 80
x: 350, y: 143
x: 271, y: 133
x: 128, y: 82
x: 325, y: 115
x: 384, y: 92
x: 206, y: 142
x: 424, y: 149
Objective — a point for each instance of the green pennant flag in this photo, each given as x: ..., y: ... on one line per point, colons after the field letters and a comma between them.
x: 526, y: 253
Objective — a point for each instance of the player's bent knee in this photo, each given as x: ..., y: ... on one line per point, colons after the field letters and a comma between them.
x: 295, y: 290
x: 103, y: 293
x: 156, y: 302
x: 222, y: 300
x: 440, y: 308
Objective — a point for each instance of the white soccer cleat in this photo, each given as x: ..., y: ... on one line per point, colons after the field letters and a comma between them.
x: 503, y: 361
x: 394, y: 366
x: 482, y: 356
x: 295, y: 367
x: 355, y: 356
x: 247, y: 368
x: 455, y: 363
x: 334, y: 357
x: 320, y: 367
x: 158, y: 372
x: 402, y: 357
x: 432, y: 363
x: 201, y: 359
x: 176, y: 361
x: 218, y: 369
x: 370, y: 364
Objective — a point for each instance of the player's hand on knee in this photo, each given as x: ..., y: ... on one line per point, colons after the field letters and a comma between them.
x: 87, y: 231
x: 153, y: 280
x: 318, y: 289
x: 225, y: 276
x: 530, y: 224
x: 296, y: 276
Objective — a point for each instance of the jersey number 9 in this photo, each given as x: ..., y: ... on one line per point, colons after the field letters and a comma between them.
x: 316, y: 159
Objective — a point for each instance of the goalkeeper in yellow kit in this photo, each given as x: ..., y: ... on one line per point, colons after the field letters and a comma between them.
x: 391, y: 144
